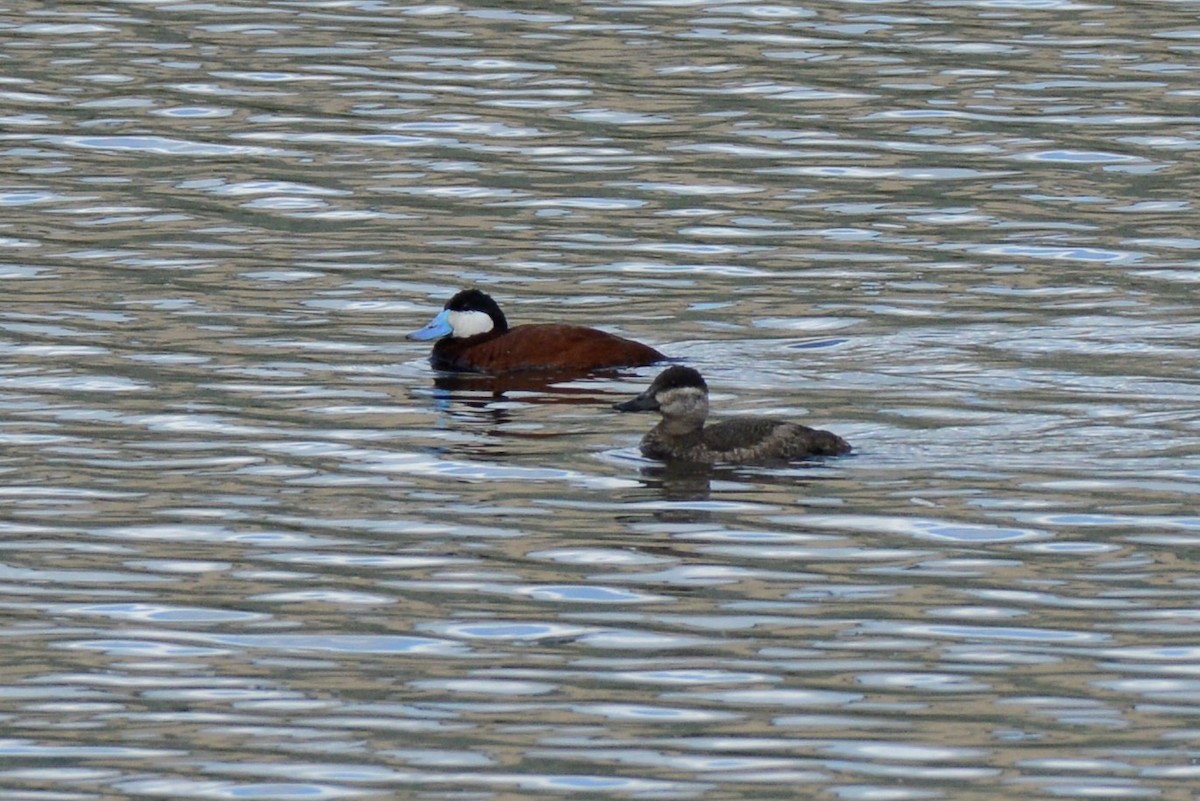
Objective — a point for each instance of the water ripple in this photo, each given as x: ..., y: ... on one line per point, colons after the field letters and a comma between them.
x: 244, y: 516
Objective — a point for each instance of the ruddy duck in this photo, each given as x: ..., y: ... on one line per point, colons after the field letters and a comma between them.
x: 681, y: 396
x: 473, y: 335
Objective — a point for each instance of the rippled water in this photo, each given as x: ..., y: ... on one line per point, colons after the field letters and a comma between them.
x: 254, y: 548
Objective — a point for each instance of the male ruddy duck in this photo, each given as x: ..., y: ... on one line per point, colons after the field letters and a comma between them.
x: 473, y: 335
x: 681, y: 396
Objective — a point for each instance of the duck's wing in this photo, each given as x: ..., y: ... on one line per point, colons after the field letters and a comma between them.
x: 557, y: 346
x: 741, y: 433
x: 767, y: 439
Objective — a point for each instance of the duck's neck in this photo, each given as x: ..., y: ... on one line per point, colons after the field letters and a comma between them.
x: 679, y: 427
x: 451, y: 353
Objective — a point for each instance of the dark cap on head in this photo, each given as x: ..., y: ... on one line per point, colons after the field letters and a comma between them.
x: 469, y: 300
x: 677, y: 376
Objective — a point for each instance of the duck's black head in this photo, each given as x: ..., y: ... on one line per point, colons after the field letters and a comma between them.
x: 473, y: 301
x: 467, y: 314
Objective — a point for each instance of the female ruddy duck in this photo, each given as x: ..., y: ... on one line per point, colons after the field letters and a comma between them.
x: 681, y: 396
x: 473, y: 335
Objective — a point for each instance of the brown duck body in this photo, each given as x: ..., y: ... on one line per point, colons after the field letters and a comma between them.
x: 551, y: 347
x: 741, y: 440
x: 680, y: 394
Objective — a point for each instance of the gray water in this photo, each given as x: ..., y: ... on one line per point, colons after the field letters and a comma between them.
x: 255, y: 548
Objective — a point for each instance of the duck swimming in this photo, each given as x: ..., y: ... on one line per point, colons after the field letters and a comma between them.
x: 473, y: 335
x: 681, y: 396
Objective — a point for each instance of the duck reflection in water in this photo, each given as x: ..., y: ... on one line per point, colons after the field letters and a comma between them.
x: 680, y: 395
x: 694, y: 493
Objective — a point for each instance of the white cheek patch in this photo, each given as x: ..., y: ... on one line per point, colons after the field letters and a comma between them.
x: 683, y: 401
x: 469, y: 323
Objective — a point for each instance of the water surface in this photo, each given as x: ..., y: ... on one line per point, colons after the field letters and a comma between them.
x: 254, y: 547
